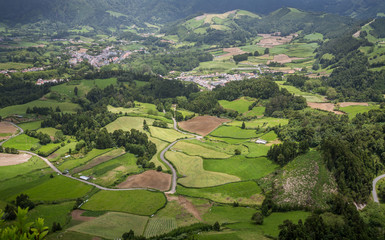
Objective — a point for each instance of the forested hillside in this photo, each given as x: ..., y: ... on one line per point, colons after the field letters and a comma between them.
x: 135, y: 11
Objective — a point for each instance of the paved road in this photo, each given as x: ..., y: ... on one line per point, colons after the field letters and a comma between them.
x: 374, y: 192
x: 174, y: 176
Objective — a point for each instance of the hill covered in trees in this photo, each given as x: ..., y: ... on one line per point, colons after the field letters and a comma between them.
x: 154, y: 11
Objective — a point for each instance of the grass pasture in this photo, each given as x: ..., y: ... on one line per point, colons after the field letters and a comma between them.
x: 256, y: 150
x: 241, y: 166
x: 139, y: 202
x: 191, y: 167
x: 197, y: 150
x: 58, y: 213
x: 14, y: 66
x: 73, y: 163
x: 112, y: 225
x: 241, y: 192
x: 158, y: 226
x: 228, y: 214
x: 50, y: 191
x: 352, y: 111
x: 108, y: 172
x: 22, y: 142
x: 99, y: 160
x: 310, y: 97
x: 167, y: 134
x: 255, y: 112
x: 65, y: 107
x: 233, y: 132
x: 128, y: 123
x: 33, y: 164
x: 30, y: 125
x: 261, y: 122
x: 84, y: 86
x: 219, y: 146
x: 241, y: 105
x: 50, y: 131
x: 174, y: 210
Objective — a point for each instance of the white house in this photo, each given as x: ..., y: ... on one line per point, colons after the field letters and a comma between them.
x: 261, y: 141
x: 84, y: 178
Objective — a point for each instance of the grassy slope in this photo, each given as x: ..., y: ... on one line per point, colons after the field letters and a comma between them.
x: 139, y: 202
x: 195, y: 175
x: 197, y: 150
x: 242, y: 192
x: 33, y: 164
x: 22, y: 142
x: 66, y: 107
x: 245, y: 168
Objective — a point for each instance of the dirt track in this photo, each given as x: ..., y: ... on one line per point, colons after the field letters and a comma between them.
x: 148, y: 179
x: 202, y: 125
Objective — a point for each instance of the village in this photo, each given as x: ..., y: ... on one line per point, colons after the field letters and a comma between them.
x: 210, y: 81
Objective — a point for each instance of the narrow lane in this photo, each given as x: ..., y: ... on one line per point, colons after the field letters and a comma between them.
x: 374, y: 191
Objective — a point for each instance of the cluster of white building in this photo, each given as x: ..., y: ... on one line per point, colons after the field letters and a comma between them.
x: 210, y: 81
x: 55, y: 81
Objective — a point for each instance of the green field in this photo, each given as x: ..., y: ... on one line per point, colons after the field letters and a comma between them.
x: 233, y: 132
x: 261, y: 122
x: 14, y: 66
x: 112, y: 225
x: 139, y: 202
x: 98, y: 160
x: 49, y: 148
x: 352, y: 111
x: 167, y: 134
x: 255, y: 112
x: 58, y: 213
x: 198, y: 150
x: 22, y: 142
x: 61, y: 152
x: 58, y: 188
x: 299, y: 50
x: 314, y: 37
x: 220, y: 146
x: 128, y: 123
x: 66, y: 107
x: 33, y: 164
x: 256, y: 150
x: 270, y: 226
x: 50, y: 131
x: 140, y: 108
x: 30, y: 125
x: 228, y: 214
x: 310, y: 97
x: 108, y: 172
x: 158, y: 226
x: 241, y: 192
x: 241, y: 105
x: 244, y: 168
x: 73, y: 163
x: 191, y: 168
x: 160, y: 145
x: 174, y: 210
x: 84, y: 86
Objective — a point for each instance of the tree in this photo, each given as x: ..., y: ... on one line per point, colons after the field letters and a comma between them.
x: 145, y: 126
x: 267, y: 51
x: 257, y: 218
x: 237, y: 152
x: 216, y: 226
x: 22, y: 229
x: 23, y: 201
x: 128, y: 235
x: 159, y: 168
x: 243, y: 125
x: 56, y: 227
x: 76, y: 91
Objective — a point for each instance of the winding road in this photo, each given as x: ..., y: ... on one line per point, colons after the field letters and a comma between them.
x: 374, y: 191
x: 174, y: 175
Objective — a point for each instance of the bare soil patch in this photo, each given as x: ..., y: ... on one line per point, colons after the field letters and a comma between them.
x: 283, y: 58
x: 77, y: 215
x: 186, y: 204
x: 324, y: 106
x: 8, y: 129
x: 202, y: 125
x: 13, y: 159
x: 270, y: 40
x: 347, y: 104
x: 148, y: 179
x: 232, y: 52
